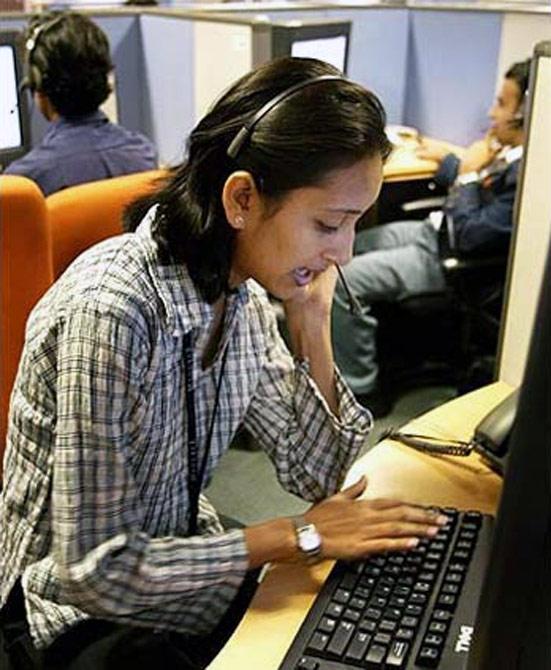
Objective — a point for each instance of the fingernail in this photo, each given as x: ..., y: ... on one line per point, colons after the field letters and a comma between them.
x: 413, y: 542
x: 432, y: 530
x: 442, y: 520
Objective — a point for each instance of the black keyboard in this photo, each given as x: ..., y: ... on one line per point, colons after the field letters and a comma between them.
x: 406, y: 611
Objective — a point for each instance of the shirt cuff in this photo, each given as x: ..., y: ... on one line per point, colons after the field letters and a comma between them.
x: 467, y: 178
x: 352, y: 416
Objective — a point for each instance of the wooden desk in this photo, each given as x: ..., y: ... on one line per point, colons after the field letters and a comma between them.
x: 404, y: 164
x: 283, y: 598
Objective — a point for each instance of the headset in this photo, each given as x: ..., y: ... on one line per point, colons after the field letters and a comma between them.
x: 33, y: 79
x: 245, y: 132
x: 518, y: 117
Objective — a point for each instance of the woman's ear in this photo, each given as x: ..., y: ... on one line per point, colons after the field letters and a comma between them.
x: 240, y: 198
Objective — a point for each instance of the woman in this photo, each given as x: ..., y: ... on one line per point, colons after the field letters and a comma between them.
x: 154, y: 347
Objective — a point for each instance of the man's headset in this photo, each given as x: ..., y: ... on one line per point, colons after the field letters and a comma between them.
x: 34, y: 76
x: 517, y: 120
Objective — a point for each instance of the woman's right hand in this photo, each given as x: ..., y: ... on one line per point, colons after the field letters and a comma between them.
x: 353, y: 528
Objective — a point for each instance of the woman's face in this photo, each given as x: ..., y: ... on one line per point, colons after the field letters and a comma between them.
x: 312, y: 228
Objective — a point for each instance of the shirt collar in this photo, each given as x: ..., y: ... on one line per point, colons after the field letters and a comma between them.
x: 511, y: 154
x: 185, y: 308
x: 95, y: 118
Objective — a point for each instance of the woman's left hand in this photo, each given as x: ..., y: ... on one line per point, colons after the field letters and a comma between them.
x: 315, y: 299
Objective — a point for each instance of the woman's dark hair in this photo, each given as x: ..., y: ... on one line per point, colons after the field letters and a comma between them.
x: 322, y: 127
x: 68, y: 60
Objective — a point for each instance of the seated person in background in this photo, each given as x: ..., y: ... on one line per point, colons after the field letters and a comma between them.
x: 68, y: 64
x: 402, y: 259
x: 144, y: 358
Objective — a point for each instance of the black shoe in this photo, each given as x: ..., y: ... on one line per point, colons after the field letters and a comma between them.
x: 377, y: 401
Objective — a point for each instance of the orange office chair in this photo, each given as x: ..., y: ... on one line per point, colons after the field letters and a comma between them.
x: 81, y: 216
x: 26, y: 274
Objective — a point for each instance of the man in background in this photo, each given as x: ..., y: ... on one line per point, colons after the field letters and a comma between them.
x: 403, y: 259
x: 68, y: 63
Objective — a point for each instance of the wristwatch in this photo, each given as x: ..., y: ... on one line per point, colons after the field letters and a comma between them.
x: 308, y: 539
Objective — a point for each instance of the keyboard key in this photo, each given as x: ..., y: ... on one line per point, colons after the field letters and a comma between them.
x: 334, y: 610
x: 450, y: 588
x: 357, y: 603
x: 402, y: 591
x: 318, y: 642
x: 387, y: 626
x: 397, y: 655
x: 405, y: 634
x: 378, y: 602
x: 413, y: 610
x: 409, y: 622
x: 393, y: 613
x: 375, y: 657
x: 441, y: 615
x: 418, y: 598
x: 340, y: 638
x: 438, y: 627
x: 373, y: 613
x: 358, y: 647
x: 362, y: 592
x: 397, y: 602
x: 446, y: 601
x: 352, y: 615
x: 327, y: 625
x: 433, y: 640
x: 306, y: 663
x: 341, y: 596
x: 368, y: 625
x: 382, y: 638
x: 428, y: 657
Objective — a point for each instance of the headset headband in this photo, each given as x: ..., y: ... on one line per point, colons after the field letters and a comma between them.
x: 31, y: 41
x: 246, y: 130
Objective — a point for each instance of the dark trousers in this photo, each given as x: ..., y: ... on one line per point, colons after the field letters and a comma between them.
x: 102, y: 645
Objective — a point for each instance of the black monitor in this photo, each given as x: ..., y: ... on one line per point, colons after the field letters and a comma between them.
x: 324, y: 40
x: 14, y: 113
x: 513, y: 626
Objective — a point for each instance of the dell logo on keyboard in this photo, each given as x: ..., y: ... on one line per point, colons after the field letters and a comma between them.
x: 464, y: 639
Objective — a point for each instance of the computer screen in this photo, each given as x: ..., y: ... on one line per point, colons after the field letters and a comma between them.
x: 14, y: 117
x: 324, y: 40
x: 513, y: 626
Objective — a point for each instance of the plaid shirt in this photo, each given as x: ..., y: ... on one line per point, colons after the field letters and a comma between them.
x: 94, y: 512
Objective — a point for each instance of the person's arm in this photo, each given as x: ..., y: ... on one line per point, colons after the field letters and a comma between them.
x: 482, y: 222
x: 350, y: 528
x: 309, y: 324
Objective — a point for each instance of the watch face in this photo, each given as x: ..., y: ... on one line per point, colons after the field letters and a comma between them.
x: 309, y: 539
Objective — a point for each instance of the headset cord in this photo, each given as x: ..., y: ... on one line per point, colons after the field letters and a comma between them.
x: 429, y: 444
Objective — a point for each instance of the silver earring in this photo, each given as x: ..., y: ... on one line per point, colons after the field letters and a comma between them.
x: 239, y: 220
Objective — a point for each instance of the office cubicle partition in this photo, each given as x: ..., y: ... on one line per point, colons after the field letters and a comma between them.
x: 532, y: 233
x: 435, y: 65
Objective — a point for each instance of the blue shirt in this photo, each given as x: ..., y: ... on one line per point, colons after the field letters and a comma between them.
x: 481, y: 211
x: 88, y: 148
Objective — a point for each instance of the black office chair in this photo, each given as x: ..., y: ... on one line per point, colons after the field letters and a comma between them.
x: 448, y: 337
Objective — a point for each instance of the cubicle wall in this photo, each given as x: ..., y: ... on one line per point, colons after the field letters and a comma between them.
x: 532, y: 233
x: 435, y: 66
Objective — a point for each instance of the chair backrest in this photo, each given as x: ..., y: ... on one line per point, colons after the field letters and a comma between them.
x: 81, y: 216
x: 26, y: 273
